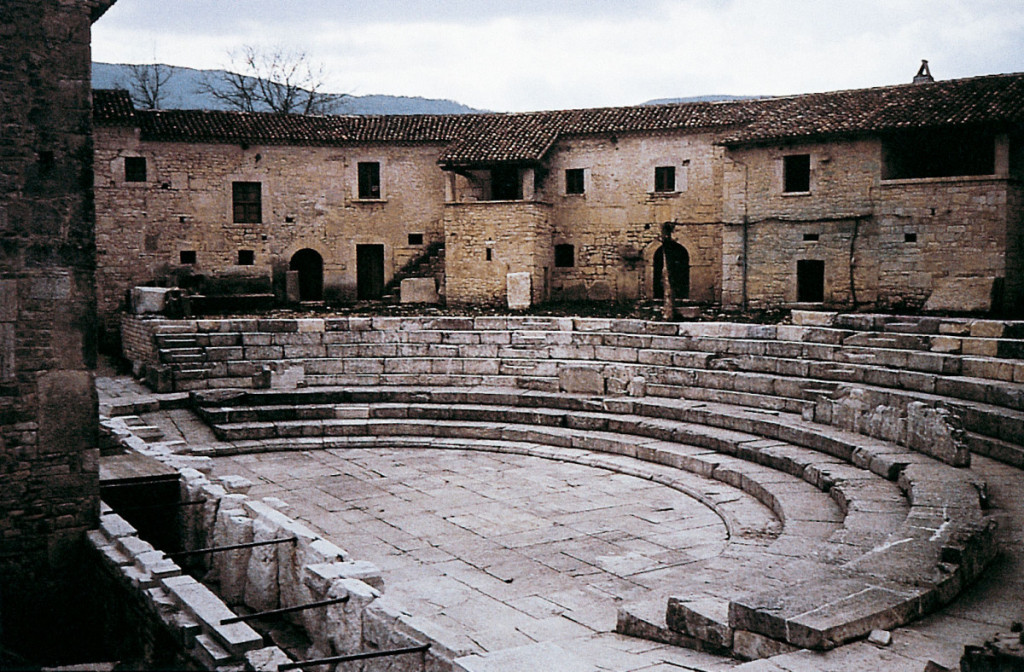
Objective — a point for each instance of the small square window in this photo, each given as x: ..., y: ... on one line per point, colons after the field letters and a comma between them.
x: 565, y: 256
x: 574, y: 183
x: 246, y: 257
x: 415, y: 238
x: 811, y: 237
x: 665, y: 178
x: 796, y: 170
x: 247, y: 202
x: 187, y: 257
x: 134, y: 169
x: 369, y: 180
x: 909, y: 237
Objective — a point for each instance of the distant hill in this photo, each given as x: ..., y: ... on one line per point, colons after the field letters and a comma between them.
x: 699, y: 99
x: 183, y: 94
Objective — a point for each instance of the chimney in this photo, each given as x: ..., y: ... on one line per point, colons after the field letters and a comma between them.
x: 923, y: 74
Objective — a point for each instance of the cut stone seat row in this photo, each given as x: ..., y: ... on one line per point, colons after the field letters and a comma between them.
x: 922, y: 561
x: 989, y: 412
x: 608, y: 345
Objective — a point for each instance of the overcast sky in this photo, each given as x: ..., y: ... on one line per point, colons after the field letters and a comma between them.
x: 518, y: 55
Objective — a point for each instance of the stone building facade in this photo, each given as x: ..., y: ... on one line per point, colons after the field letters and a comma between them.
x: 49, y: 482
x: 877, y: 198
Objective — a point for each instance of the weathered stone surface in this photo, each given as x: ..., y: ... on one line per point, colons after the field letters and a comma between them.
x: 531, y: 658
x: 704, y: 618
x: 962, y: 295
x: 813, y: 318
x: 518, y: 290
x: 419, y: 290
x: 937, y: 432
x: 210, y: 611
x: 266, y: 659
x: 580, y: 380
x: 149, y: 299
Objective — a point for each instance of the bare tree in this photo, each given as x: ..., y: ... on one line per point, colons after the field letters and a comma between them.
x: 147, y: 84
x: 272, y: 79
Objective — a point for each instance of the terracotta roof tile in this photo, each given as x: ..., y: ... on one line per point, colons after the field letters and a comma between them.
x: 112, y: 107
x: 477, y: 139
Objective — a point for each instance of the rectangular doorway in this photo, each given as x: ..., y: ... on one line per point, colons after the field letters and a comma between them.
x: 810, y: 281
x: 369, y: 272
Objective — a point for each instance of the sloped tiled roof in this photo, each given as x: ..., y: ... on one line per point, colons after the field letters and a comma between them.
x: 112, y: 107
x: 475, y: 139
x: 994, y: 99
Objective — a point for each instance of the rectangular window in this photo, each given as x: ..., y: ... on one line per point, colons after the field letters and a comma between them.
x: 574, y: 181
x: 134, y: 169
x: 810, y: 281
x: 187, y: 257
x: 415, y: 238
x: 810, y: 237
x: 565, y: 256
x: 246, y: 257
x: 247, y: 202
x: 369, y: 180
x: 796, y: 173
x: 909, y: 237
x: 665, y: 178
x: 938, y: 153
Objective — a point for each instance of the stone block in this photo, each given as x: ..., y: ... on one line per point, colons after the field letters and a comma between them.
x: 749, y: 645
x: 580, y: 380
x: 814, y: 318
x: 267, y: 659
x: 292, y: 292
x: 320, y: 577
x: 704, y: 618
x: 419, y: 290
x: 210, y: 610
x: 518, y: 287
x: 962, y: 295
x: 937, y: 432
x: 149, y: 300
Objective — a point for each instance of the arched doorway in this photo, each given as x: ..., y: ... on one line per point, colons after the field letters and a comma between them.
x: 310, y: 266
x: 678, y: 270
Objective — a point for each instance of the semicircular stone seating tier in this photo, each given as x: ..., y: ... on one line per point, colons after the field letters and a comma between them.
x: 880, y: 416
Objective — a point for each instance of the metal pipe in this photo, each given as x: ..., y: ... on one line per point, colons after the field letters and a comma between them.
x: 283, y: 610
x: 232, y: 547
x: 353, y: 656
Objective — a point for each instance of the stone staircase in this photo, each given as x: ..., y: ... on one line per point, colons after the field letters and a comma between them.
x: 430, y: 264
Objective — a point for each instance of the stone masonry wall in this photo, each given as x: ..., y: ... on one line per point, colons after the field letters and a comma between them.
x: 615, y: 225
x: 517, y: 237
x: 884, y: 243
x: 49, y: 486
x: 309, y: 200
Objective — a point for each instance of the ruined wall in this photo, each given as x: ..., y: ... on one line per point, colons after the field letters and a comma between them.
x: 49, y: 488
x: 485, y: 241
x: 883, y: 242
x: 615, y: 224
x: 309, y: 200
